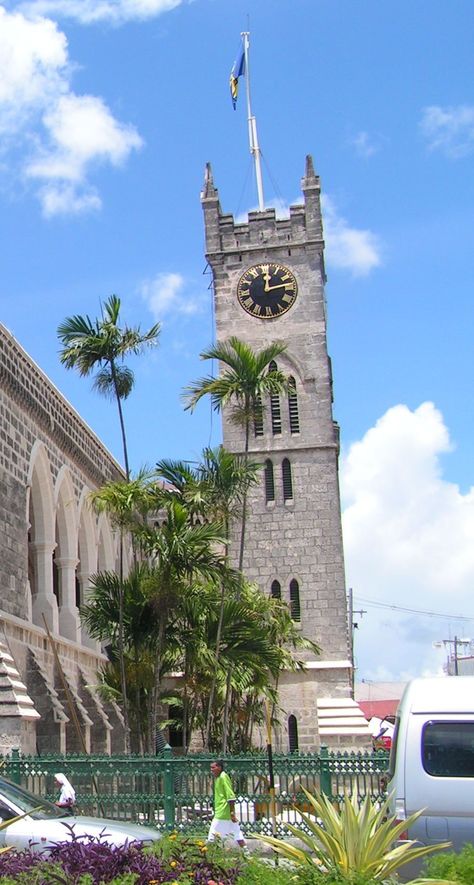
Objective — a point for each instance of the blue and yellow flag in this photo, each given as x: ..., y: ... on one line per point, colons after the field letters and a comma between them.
x: 237, y: 71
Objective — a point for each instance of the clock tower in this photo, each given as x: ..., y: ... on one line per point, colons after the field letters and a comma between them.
x: 269, y: 278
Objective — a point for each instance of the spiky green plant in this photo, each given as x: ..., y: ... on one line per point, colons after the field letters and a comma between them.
x: 350, y: 841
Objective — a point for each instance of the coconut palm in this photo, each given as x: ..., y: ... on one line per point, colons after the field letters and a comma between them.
x: 102, y: 345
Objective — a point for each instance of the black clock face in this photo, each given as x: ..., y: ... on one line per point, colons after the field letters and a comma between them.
x: 267, y: 290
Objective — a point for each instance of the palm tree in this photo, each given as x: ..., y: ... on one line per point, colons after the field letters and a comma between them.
x: 102, y: 345
x: 215, y: 489
x: 118, y: 612
x: 182, y: 554
x: 244, y: 381
x: 122, y: 501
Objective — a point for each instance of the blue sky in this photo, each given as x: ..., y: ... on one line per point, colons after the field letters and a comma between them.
x: 109, y: 110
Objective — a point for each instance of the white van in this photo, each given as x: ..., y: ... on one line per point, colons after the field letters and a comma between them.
x: 432, y: 759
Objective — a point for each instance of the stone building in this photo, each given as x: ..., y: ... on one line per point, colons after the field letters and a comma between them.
x: 50, y: 543
x: 269, y: 278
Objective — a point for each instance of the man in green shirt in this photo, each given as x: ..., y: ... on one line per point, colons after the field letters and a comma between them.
x: 224, y: 823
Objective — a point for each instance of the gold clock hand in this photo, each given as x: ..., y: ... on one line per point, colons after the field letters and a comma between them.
x: 270, y: 288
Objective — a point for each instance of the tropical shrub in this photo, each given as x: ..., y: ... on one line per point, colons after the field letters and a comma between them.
x: 82, y: 862
x: 352, y: 841
x: 458, y: 867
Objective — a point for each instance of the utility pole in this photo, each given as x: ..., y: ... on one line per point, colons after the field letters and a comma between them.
x: 353, y: 625
x: 456, y: 642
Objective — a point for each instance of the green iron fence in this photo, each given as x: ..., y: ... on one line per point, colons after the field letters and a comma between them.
x: 175, y: 792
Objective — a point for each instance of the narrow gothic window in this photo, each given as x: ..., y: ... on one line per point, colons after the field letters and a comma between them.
x: 276, y: 590
x: 269, y: 482
x: 295, y: 609
x: 275, y: 409
x: 55, y: 578
x: 287, y: 480
x: 292, y: 734
x: 258, y: 417
x: 293, y: 406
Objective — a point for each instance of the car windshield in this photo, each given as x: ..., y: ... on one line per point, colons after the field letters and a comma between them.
x: 27, y: 802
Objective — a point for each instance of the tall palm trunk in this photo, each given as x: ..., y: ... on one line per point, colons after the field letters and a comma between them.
x: 212, y: 691
x: 123, y: 675
x: 121, y: 419
x: 243, y: 525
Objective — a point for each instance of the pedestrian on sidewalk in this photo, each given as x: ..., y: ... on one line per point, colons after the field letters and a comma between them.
x: 224, y: 823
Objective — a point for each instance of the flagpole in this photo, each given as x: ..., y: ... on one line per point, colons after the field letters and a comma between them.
x: 252, y: 124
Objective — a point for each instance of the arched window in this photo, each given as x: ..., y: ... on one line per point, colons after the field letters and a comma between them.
x: 269, y: 481
x: 276, y: 590
x: 292, y: 734
x: 295, y: 610
x: 275, y: 410
x: 293, y: 406
x: 258, y: 417
x: 287, y: 480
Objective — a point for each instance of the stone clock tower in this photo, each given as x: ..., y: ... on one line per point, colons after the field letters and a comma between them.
x: 269, y: 280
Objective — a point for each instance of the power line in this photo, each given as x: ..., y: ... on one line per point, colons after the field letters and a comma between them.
x: 413, y: 611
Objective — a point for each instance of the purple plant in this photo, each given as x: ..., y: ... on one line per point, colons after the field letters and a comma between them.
x: 67, y: 861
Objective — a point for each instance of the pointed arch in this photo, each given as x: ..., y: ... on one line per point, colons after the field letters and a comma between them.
x: 41, y: 538
x: 106, y: 547
x: 293, y: 413
x: 275, y: 410
x: 295, y: 606
x: 269, y: 481
x: 65, y: 555
x: 87, y: 557
x: 293, y: 745
x: 287, y: 480
x: 275, y: 591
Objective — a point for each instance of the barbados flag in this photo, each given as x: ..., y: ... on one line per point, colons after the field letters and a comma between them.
x: 237, y: 71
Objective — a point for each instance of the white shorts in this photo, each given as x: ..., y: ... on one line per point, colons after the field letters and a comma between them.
x: 224, y: 829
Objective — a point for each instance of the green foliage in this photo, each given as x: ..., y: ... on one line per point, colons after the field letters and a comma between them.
x: 350, y: 841
x: 449, y: 865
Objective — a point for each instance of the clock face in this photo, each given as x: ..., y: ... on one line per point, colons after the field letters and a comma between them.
x: 267, y: 290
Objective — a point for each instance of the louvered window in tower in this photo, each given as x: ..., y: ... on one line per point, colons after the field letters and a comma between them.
x: 287, y: 480
x: 276, y: 590
x: 293, y: 406
x: 292, y: 734
x: 275, y: 409
x: 269, y: 482
x: 258, y: 417
x: 295, y: 610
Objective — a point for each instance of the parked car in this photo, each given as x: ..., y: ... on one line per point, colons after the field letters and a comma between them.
x: 44, y: 824
x: 432, y: 760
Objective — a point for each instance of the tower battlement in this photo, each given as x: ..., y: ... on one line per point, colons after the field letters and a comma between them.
x: 302, y: 226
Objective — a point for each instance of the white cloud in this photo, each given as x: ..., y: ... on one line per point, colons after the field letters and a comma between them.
x: 409, y: 541
x: 81, y: 129
x: 89, y: 12
x: 365, y: 145
x: 65, y: 199
x: 450, y: 130
x: 349, y: 248
x: 33, y: 61
x: 164, y: 294
x: 52, y: 134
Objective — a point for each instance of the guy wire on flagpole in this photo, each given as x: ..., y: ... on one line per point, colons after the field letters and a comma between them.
x: 252, y: 123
